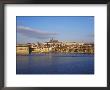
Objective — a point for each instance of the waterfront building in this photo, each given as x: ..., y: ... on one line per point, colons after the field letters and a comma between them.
x: 55, y: 46
x: 22, y: 49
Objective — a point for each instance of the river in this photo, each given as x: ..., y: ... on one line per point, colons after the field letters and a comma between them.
x: 48, y: 64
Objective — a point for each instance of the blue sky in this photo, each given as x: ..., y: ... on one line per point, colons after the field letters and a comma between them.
x: 32, y: 29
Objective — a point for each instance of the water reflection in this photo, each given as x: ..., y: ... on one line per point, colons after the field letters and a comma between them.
x: 49, y: 64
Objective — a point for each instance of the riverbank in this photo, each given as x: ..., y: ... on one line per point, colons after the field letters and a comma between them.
x: 58, y: 54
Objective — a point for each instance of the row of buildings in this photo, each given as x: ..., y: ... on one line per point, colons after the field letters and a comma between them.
x: 54, y: 46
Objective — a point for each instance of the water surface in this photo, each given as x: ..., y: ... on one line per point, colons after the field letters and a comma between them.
x: 48, y: 64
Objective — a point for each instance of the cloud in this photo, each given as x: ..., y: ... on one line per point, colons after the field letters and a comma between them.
x: 34, y: 33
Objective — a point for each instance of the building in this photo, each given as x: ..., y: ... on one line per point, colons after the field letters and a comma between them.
x: 22, y: 49
x: 54, y: 46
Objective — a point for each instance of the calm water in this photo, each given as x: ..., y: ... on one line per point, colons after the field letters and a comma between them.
x: 47, y: 64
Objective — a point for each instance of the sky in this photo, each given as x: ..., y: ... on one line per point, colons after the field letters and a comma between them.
x: 33, y: 29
